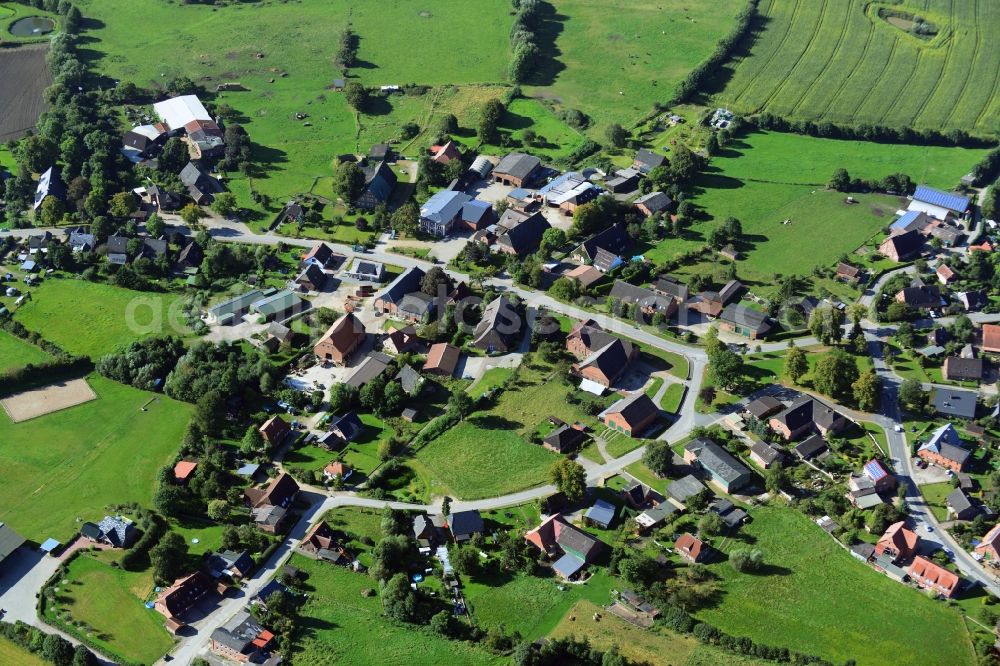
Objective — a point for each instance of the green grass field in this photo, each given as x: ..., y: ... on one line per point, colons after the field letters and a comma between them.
x: 460, y: 44
x: 837, y: 60
x: 110, y: 603
x: 73, y: 463
x: 11, y: 13
x: 778, y: 157
x: 762, y: 180
x: 340, y: 626
x: 613, y: 60
x: 15, y: 353
x: 672, y: 398
x: 528, y: 604
x: 641, y: 646
x: 936, y: 496
x: 466, y: 459
x: 14, y: 655
x: 95, y: 319
x: 814, y: 586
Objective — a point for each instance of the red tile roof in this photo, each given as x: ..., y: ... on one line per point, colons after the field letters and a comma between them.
x: 991, y: 337
x: 184, y: 469
x: 928, y: 574
x: 689, y: 545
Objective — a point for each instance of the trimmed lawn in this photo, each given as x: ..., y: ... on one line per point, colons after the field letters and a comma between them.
x: 479, y: 458
x: 936, y: 495
x: 814, y: 585
x: 14, y: 655
x: 638, y: 645
x: 491, y: 379
x: 672, y: 398
x: 73, y: 463
x: 94, y: 319
x: 618, y: 444
x: 16, y: 353
x: 209, y: 535
x: 676, y: 364
x: 643, y: 474
x: 340, y: 626
x: 110, y: 602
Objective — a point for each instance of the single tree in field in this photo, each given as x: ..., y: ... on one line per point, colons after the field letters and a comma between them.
x: 796, y: 363
x: 569, y: 478
x: 616, y: 134
x: 348, y: 181
x: 840, y: 180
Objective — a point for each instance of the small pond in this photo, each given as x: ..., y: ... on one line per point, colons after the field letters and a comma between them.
x: 32, y: 25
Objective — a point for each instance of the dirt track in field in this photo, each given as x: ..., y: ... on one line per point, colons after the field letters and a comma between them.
x: 48, y: 399
x: 23, y: 76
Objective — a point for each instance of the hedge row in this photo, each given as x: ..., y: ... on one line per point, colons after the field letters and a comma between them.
x: 723, y: 50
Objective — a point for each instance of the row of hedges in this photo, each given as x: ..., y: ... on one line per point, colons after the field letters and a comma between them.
x: 51, y: 647
x: 723, y: 50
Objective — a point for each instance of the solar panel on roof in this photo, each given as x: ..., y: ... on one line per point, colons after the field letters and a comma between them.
x: 938, y: 198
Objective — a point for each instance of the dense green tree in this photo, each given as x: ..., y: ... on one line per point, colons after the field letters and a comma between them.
x: 167, y: 558
x: 796, y: 363
x: 616, y: 135
x: 348, y: 181
x: 912, y: 394
x: 399, y: 599
x: 225, y: 204
x: 866, y: 391
x: 840, y: 181
x: 569, y: 478
x: 835, y: 373
x: 51, y: 211
x: 357, y: 95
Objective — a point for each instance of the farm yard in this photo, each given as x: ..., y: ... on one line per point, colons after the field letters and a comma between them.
x: 614, y: 60
x: 73, y: 463
x: 811, y: 585
x: 25, y: 75
x: 95, y: 319
x: 841, y: 61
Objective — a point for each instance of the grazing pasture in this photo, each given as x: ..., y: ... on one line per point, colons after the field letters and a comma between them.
x: 73, y: 463
x: 283, y: 56
x: 763, y: 179
x: 840, y: 61
x: 95, y: 319
x: 811, y: 584
x: 25, y: 75
x: 614, y: 59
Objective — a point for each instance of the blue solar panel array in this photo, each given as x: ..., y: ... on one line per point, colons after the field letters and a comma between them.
x: 874, y: 471
x: 907, y: 217
x: 938, y: 198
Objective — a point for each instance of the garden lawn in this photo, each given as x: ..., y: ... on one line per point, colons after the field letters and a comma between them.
x: 13, y: 654
x: 16, y: 353
x: 618, y: 444
x: 639, y: 645
x: 936, y: 496
x: 613, y: 60
x: 528, y: 604
x: 813, y: 585
x: 110, y: 601
x: 491, y: 379
x: 555, y: 140
x: 342, y: 627
x: 95, y: 319
x: 73, y: 463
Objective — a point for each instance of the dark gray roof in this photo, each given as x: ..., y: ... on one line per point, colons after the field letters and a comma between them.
x: 526, y: 235
x: 646, y: 298
x: 959, y: 501
x: 740, y: 315
x: 614, y: 239
x: 602, y: 512
x: 654, y: 201
x: 646, y: 160
x: 407, y: 282
x: 409, y: 379
x: 464, y: 523
x: 9, y: 541
x: 565, y: 437
x: 952, y: 402
x: 518, y: 165
x: 765, y: 452
x: 685, y: 488
x: 810, y: 447
x: 717, y: 460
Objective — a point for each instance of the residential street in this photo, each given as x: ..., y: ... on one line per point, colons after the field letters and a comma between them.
x: 191, y: 646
